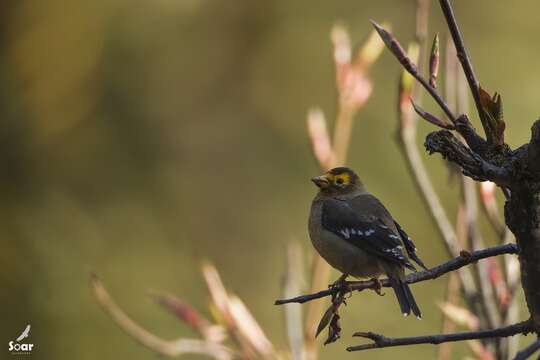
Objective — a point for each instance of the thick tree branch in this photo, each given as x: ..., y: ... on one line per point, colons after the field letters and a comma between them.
x: 472, y: 165
x: 471, y: 137
x: 464, y: 259
x: 381, y: 341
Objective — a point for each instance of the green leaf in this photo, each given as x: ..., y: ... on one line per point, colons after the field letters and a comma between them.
x: 494, y: 119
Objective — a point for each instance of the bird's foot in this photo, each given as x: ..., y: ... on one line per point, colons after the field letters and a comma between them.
x: 341, y: 285
x: 378, y: 286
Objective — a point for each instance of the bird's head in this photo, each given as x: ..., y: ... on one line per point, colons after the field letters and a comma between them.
x: 338, y: 181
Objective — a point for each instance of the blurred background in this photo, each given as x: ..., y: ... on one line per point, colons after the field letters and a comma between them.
x: 140, y: 138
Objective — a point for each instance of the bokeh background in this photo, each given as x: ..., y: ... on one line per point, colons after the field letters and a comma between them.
x: 139, y: 138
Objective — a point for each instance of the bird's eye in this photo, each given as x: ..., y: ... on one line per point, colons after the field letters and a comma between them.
x: 339, y: 181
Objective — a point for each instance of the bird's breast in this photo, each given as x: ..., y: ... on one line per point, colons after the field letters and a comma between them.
x: 340, y: 254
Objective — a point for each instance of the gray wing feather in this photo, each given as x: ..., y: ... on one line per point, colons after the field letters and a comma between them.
x: 371, y: 236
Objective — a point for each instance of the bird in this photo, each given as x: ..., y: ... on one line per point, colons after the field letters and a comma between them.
x: 24, y: 334
x: 355, y: 233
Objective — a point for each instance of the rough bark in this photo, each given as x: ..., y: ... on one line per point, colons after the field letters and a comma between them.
x: 519, y: 172
x: 522, y: 214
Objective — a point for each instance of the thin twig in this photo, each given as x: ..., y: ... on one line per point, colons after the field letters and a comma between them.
x: 464, y: 259
x: 342, y: 134
x: 293, y: 313
x: 453, y: 287
x: 490, y: 315
x: 528, y: 351
x: 462, y: 54
x: 347, y: 108
x: 396, y: 49
x: 381, y: 341
x: 189, y: 315
x: 451, y: 297
x: 417, y: 170
x: 454, y: 284
x: 476, y: 242
x: 171, y: 348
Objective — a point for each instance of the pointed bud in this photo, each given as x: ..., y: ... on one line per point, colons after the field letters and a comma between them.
x: 434, y: 62
x: 431, y: 118
x: 394, y: 46
x: 493, y: 119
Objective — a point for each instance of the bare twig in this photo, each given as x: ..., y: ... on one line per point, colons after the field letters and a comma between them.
x: 354, y: 88
x: 293, y: 313
x: 528, y: 351
x: 238, y: 319
x: 407, y: 137
x: 462, y: 54
x: 189, y: 315
x: 393, y: 45
x: 464, y: 259
x: 453, y: 286
x: 320, y: 139
x: 169, y: 348
x: 381, y: 341
x: 342, y: 134
x: 491, y: 209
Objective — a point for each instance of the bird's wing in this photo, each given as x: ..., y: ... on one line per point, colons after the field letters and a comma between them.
x: 409, y: 245
x: 371, y: 236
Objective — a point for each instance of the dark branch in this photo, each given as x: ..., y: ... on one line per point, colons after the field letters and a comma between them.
x: 533, y: 155
x: 472, y: 164
x: 462, y: 55
x: 475, y: 141
x: 431, y: 118
x: 381, y: 341
x: 464, y: 259
x: 461, y: 123
x: 528, y: 351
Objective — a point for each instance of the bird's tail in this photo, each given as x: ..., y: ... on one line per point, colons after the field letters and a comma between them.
x: 405, y: 298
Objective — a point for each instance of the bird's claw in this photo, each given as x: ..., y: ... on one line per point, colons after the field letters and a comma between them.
x: 341, y: 285
x: 378, y: 286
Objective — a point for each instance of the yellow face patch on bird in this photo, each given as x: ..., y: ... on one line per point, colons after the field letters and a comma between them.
x: 341, y: 179
x: 331, y: 178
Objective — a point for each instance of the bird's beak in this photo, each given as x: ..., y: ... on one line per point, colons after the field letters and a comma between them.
x: 321, y: 181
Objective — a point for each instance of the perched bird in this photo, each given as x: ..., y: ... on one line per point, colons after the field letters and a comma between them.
x: 352, y: 230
